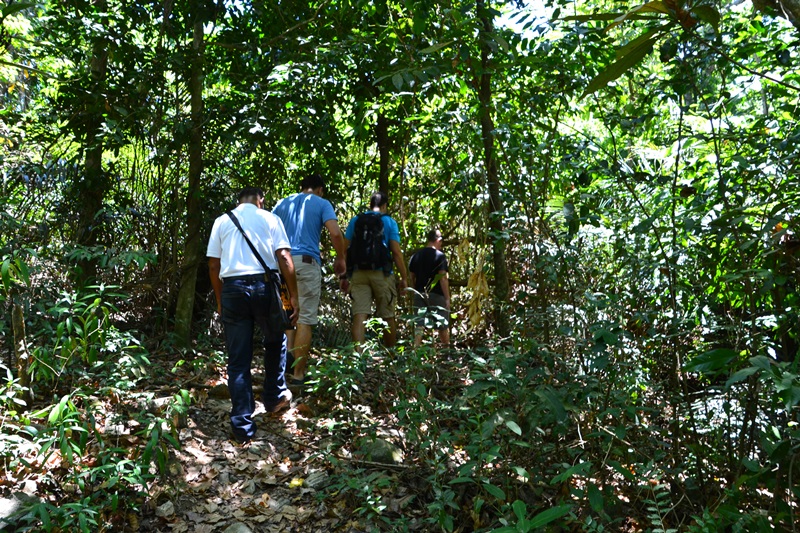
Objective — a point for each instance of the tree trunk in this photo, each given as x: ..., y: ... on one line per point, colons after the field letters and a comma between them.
x: 21, y: 351
x: 382, y: 137
x: 90, y: 192
x: 496, y: 209
x: 193, y: 246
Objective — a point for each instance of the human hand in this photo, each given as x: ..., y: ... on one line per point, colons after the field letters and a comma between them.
x: 295, y: 310
x: 340, y: 266
x: 215, y: 326
x: 344, y: 284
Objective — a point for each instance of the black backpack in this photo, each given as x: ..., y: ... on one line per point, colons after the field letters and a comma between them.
x: 367, y: 251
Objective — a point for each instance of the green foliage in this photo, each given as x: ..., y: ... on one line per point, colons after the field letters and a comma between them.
x: 102, y: 480
x: 77, y: 335
x: 647, y: 164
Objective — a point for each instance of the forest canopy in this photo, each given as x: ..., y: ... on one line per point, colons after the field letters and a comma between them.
x: 617, y: 186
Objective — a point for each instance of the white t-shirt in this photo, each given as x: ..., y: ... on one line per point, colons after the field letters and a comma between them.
x: 266, y: 232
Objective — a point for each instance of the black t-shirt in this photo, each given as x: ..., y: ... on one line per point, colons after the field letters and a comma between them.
x: 426, y: 264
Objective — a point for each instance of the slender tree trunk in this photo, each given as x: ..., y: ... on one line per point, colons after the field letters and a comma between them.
x: 382, y: 137
x: 90, y: 192
x: 21, y: 351
x: 496, y: 208
x: 193, y: 246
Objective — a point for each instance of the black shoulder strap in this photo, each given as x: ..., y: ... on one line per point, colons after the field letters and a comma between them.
x: 249, y: 243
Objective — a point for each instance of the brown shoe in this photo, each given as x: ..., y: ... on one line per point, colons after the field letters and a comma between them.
x: 283, y: 403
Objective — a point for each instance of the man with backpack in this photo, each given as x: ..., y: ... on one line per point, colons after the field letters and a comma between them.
x: 373, y: 246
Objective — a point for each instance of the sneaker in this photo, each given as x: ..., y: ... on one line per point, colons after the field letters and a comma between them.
x: 297, y: 384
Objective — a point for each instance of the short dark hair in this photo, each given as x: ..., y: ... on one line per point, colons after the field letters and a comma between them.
x: 249, y: 192
x: 312, y: 181
x: 378, y: 199
x: 433, y: 235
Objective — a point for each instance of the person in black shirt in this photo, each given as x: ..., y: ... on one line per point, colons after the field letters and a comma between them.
x: 428, y: 276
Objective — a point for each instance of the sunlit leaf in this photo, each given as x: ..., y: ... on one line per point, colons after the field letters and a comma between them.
x: 513, y: 426
x: 435, y: 47
x: 621, y: 66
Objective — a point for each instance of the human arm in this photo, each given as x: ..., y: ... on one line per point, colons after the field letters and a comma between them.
x: 286, y: 266
x: 399, y: 262
x: 338, y: 241
x: 444, y: 283
x: 344, y: 283
x: 216, y: 283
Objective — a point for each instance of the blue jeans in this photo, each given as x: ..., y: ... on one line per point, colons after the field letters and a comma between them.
x: 245, y: 302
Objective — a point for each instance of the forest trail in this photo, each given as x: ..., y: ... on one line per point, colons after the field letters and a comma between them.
x: 267, y: 485
x: 271, y: 484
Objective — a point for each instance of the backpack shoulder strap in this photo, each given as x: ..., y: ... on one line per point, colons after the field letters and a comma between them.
x: 249, y: 242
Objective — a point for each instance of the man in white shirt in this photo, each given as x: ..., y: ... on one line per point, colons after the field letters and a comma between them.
x: 245, y: 293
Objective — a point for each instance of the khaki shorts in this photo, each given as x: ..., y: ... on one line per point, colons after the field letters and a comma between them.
x: 369, y: 285
x: 309, y: 283
x: 430, y: 312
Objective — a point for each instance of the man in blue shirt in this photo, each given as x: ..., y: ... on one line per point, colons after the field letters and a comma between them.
x: 304, y: 214
x: 368, y: 284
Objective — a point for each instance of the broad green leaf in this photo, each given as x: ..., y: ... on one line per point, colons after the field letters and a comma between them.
x: 761, y: 361
x: 495, y: 491
x: 620, y: 67
x: 58, y: 410
x: 545, y: 517
x: 601, y: 17
x: 580, y: 468
x: 555, y: 402
x: 520, y: 509
x: 741, y: 375
x: 397, y: 80
x: 513, y: 426
x: 501, y: 42
x: 4, y: 273
x: 707, y: 14
x: 435, y: 47
x: 16, y: 8
x: 650, y: 7
x: 791, y: 397
x: 24, y: 274
x: 635, y: 43
x: 596, y: 499
x: 712, y: 361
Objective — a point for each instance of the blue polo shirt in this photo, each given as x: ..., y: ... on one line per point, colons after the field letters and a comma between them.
x: 304, y: 216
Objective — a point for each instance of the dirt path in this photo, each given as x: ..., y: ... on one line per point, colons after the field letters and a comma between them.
x: 268, y: 485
